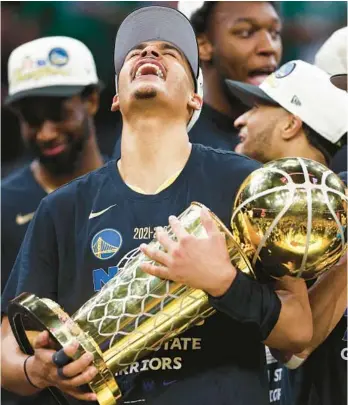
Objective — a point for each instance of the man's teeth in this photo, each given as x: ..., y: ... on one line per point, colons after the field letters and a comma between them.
x: 158, y: 71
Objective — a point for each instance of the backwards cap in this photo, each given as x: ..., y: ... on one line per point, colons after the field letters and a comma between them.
x: 305, y: 91
x: 156, y: 23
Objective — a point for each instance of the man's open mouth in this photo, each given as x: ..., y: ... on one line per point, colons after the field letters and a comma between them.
x: 149, y: 68
x: 257, y: 76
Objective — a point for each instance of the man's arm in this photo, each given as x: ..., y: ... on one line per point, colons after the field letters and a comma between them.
x: 328, y: 301
x: 281, y: 318
x: 36, y: 271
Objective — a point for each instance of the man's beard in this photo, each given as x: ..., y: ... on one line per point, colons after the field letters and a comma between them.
x: 145, y: 94
x: 66, y: 162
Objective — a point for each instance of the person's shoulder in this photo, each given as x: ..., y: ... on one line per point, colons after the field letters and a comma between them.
x: 82, y: 187
x: 226, y: 159
x: 17, y: 179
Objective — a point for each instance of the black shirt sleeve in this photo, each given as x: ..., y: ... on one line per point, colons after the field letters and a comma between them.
x: 36, y: 266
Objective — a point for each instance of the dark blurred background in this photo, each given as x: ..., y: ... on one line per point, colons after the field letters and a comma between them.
x: 307, y: 24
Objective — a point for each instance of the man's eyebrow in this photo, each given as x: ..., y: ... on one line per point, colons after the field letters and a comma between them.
x: 252, y: 21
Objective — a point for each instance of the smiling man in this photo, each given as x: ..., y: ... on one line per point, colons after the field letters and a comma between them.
x: 85, y: 228
x: 237, y: 40
x: 55, y: 99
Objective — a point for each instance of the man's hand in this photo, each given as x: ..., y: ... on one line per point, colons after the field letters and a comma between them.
x: 44, y: 373
x: 199, y: 263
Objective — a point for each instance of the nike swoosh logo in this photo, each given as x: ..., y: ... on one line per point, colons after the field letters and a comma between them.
x: 23, y: 219
x: 96, y: 214
x: 166, y: 383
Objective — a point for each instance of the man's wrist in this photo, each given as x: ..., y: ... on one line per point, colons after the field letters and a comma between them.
x: 225, y: 282
x: 32, y: 377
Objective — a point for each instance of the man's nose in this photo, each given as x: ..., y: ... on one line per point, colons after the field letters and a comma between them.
x: 47, y: 132
x: 240, y: 122
x: 150, y: 51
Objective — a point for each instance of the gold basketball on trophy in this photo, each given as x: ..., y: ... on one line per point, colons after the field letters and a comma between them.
x: 290, y: 218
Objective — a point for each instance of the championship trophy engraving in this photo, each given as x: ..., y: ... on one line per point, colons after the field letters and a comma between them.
x: 289, y: 218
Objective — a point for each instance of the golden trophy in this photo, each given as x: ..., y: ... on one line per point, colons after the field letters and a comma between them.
x: 289, y: 215
x: 130, y: 317
x: 290, y: 218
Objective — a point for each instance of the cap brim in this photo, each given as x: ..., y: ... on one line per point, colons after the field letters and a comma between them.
x: 340, y: 81
x: 249, y: 94
x: 49, y: 91
x: 156, y: 23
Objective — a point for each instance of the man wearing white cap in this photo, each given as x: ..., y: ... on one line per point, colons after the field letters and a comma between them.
x: 54, y: 90
x: 332, y: 57
x: 301, y: 111
x: 292, y: 114
x: 82, y: 231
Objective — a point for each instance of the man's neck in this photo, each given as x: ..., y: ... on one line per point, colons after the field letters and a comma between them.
x: 306, y: 152
x: 216, y: 97
x: 90, y: 160
x: 152, y: 150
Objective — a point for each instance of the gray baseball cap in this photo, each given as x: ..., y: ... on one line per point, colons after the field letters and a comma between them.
x: 156, y: 23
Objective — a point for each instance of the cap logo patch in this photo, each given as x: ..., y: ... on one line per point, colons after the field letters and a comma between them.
x: 285, y: 70
x: 58, y: 57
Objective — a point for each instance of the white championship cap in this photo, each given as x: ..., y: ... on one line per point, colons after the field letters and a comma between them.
x: 189, y: 7
x: 332, y: 56
x: 305, y: 91
x: 50, y: 66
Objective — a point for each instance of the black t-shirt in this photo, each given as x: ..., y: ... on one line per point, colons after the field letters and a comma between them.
x: 20, y: 197
x: 212, y: 129
x: 219, y: 362
x: 275, y: 374
x: 322, y: 379
x: 339, y: 161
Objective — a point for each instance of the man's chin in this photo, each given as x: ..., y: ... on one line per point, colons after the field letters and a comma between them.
x: 62, y: 165
x: 145, y: 94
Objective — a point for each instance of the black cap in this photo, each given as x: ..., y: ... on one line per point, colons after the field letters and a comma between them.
x: 156, y: 23
x: 249, y: 94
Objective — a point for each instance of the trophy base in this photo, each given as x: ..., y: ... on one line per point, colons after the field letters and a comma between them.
x: 29, y: 313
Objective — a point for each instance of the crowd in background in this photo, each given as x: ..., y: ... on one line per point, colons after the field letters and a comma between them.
x: 306, y: 25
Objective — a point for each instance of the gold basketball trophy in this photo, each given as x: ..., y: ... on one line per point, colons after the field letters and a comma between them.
x: 294, y: 209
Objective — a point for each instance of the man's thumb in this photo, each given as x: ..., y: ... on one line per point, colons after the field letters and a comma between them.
x: 41, y: 340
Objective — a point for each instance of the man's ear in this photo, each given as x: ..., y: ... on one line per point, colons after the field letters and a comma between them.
x: 92, y: 102
x: 292, y: 127
x: 205, y: 48
x: 195, y: 102
x: 115, y: 106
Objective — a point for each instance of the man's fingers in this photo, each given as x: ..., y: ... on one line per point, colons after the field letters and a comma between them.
x: 154, y: 254
x: 179, y: 231
x: 164, y: 239
x: 158, y: 271
x: 65, y: 355
x: 208, y: 222
x: 83, y: 396
x: 41, y: 340
x: 81, y: 379
x: 77, y: 366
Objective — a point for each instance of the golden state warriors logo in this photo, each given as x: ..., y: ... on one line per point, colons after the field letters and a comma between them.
x: 285, y: 70
x: 58, y: 56
x: 106, y: 243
